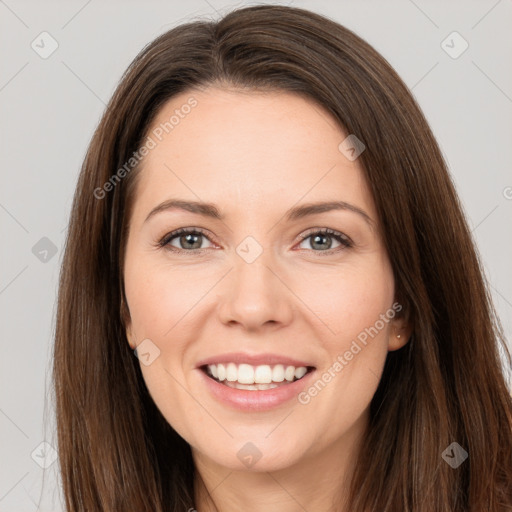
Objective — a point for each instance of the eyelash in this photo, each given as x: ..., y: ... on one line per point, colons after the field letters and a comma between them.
x: 344, y: 240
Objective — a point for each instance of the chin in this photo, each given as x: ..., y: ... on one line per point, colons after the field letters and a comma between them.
x: 257, y: 455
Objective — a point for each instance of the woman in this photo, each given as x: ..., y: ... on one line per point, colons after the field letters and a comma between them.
x: 270, y: 298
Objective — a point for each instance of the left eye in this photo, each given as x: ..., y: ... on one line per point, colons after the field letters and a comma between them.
x: 323, y: 240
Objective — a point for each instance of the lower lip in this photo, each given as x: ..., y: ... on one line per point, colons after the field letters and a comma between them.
x: 247, y: 400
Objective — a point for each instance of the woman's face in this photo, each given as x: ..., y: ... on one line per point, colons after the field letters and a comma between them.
x: 256, y: 293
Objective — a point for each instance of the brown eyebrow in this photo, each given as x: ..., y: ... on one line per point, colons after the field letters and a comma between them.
x: 314, y: 208
x: 205, y: 209
x: 298, y: 212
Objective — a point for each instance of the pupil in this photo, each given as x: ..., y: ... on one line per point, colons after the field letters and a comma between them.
x: 191, y: 238
x: 316, y: 238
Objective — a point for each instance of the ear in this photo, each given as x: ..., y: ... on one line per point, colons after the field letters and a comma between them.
x: 129, y: 335
x: 399, y: 333
x: 126, y: 321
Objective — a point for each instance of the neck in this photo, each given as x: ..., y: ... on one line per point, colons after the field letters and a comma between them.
x: 319, y: 481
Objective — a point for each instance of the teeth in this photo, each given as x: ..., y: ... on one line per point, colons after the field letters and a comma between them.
x: 221, y: 372
x: 300, y: 372
x: 231, y: 372
x: 252, y: 387
x: 278, y: 373
x: 289, y: 373
x: 247, y: 376
x: 263, y: 374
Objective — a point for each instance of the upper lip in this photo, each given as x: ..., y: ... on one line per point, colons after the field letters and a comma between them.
x: 253, y: 359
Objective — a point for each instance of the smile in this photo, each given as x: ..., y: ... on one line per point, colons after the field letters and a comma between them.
x: 255, y: 378
x: 254, y: 382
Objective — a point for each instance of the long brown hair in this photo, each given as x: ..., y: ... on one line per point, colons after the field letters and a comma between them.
x: 118, y: 453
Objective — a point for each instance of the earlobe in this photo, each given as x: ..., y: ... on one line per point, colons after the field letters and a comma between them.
x: 396, y: 342
x: 129, y: 337
x: 399, y: 335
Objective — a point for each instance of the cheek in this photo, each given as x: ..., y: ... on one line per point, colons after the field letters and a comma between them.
x: 347, y: 300
x: 353, y: 312
x: 161, y: 302
x: 160, y: 297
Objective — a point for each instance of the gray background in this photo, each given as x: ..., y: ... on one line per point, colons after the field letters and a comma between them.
x: 50, y: 107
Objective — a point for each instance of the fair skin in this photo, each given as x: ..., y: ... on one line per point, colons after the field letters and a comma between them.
x: 255, y: 156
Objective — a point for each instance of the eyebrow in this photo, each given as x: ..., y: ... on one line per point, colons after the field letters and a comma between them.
x: 298, y: 212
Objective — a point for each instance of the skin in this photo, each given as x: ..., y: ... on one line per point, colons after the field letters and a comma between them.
x: 256, y: 155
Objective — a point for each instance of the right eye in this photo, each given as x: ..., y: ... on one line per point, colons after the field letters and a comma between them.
x: 185, y: 239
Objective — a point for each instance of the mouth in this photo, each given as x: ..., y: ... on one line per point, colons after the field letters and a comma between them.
x: 255, y: 378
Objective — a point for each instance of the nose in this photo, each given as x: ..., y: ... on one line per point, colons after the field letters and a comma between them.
x: 254, y: 296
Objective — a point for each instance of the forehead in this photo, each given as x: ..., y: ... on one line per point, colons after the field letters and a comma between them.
x: 250, y: 147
